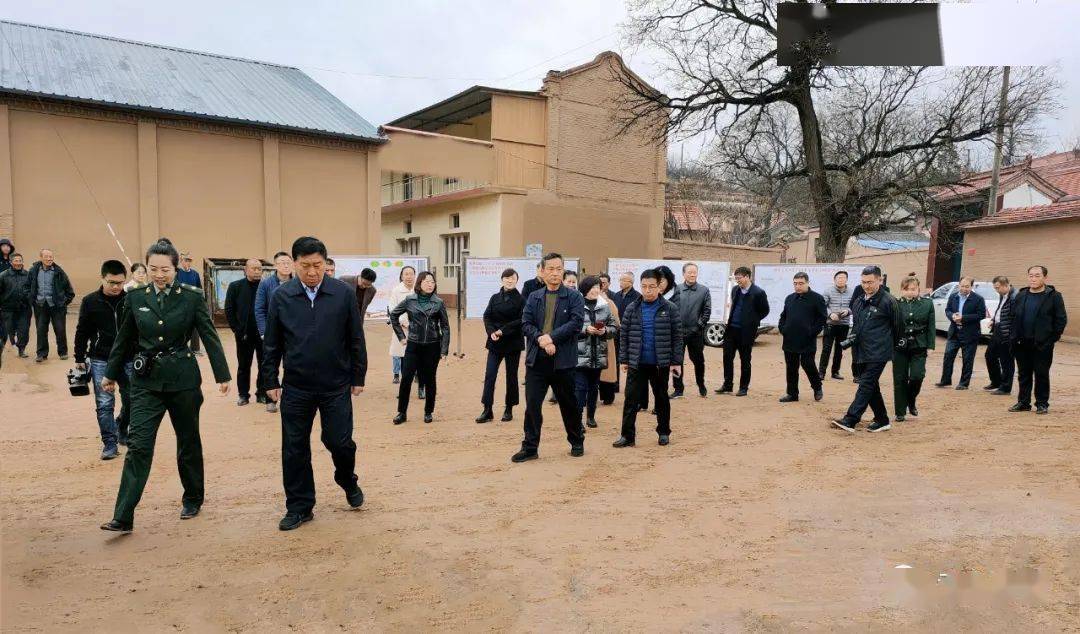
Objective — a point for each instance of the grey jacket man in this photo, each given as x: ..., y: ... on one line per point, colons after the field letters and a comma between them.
x: 838, y: 302
x: 695, y: 307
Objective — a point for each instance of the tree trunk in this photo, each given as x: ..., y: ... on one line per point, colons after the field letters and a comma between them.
x: 832, y: 244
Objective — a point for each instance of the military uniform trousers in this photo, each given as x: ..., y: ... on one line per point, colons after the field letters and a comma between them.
x: 148, y: 407
x: 909, y: 370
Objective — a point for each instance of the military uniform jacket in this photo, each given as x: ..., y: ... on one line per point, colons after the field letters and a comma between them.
x: 917, y: 319
x: 146, y: 326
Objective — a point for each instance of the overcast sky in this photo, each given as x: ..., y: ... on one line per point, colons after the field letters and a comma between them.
x: 436, y: 48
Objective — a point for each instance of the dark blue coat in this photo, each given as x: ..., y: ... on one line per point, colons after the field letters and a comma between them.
x: 753, y: 307
x: 667, y: 332
x: 569, y: 316
x: 974, y: 312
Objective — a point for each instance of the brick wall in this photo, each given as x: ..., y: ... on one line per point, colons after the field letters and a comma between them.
x: 738, y: 255
x: 896, y: 264
x: 1011, y: 249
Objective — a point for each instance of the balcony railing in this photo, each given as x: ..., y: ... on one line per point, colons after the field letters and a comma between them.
x: 405, y: 187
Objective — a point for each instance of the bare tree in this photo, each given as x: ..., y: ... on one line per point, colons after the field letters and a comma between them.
x: 862, y: 141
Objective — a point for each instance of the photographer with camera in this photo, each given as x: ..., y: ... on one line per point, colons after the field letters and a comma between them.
x: 916, y: 338
x: 99, y: 319
x: 154, y: 329
x: 872, y: 339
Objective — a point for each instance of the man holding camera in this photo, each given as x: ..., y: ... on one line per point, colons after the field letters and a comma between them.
x: 872, y: 340
x: 99, y: 318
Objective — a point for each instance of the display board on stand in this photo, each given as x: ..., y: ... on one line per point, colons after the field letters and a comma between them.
x: 482, y: 279
x: 387, y: 270
x: 776, y: 280
x: 713, y: 275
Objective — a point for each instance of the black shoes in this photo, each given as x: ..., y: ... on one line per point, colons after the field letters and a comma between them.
x: 427, y: 418
x: 553, y: 401
x: 577, y: 451
x: 664, y: 440
x: 1020, y: 407
x: 962, y: 386
x: 508, y: 415
x: 837, y: 376
x: 242, y: 401
x: 397, y: 379
x: 63, y: 357
x: 943, y: 384
x: 818, y: 394
x: 485, y: 416
x: 355, y: 498
x: 261, y: 400
x: 724, y: 389
x: 40, y: 359
x: 400, y: 418
x: 914, y: 411
x: 294, y: 520
x: 623, y: 442
x: 703, y: 392
x: 842, y: 424
x: 23, y: 355
x: 117, y: 526
x: 591, y: 423
x: 742, y: 392
x: 1042, y: 409
x: 1001, y: 392
x: 879, y: 426
x: 189, y: 511
x: 675, y: 395
x: 788, y: 398
x: 523, y: 456
x: 991, y: 387
x: 900, y: 418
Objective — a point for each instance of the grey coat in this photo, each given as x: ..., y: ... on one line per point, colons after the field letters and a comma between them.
x: 592, y: 349
x: 695, y: 307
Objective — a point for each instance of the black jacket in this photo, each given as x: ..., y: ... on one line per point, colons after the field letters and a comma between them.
x: 503, y: 313
x: 14, y: 286
x: 754, y: 307
x: 5, y: 261
x: 1050, y: 321
x: 970, y: 321
x: 322, y: 344
x: 426, y: 325
x: 622, y: 300
x: 63, y: 293
x: 1001, y: 326
x: 569, y: 315
x: 669, y: 338
x: 802, y: 320
x: 99, y: 320
x: 530, y: 285
x: 240, y: 308
x: 876, y: 325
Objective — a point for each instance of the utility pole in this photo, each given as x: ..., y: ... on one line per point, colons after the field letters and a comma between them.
x: 996, y: 175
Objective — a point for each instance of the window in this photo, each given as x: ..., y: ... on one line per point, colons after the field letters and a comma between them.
x: 943, y: 291
x: 453, y: 245
x: 455, y: 221
x: 407, y: 186
x: 986, y: 291
x: 408, y: 226
x: 410, y: 246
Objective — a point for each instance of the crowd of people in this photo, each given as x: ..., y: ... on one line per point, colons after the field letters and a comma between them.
x: 141, y: 331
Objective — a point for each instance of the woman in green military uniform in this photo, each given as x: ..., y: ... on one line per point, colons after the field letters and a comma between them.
x: 157, y: 319
x: 917, y: 336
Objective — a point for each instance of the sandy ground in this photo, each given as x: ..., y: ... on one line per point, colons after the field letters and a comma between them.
x: 758, y: 517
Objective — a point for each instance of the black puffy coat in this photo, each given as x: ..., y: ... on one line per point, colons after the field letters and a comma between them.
x: 669, y: 338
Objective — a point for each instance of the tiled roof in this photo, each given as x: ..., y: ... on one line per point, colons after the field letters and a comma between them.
x: 688, y: 216
x: 1060, y: 170
x: 1021, y: 215
x: 92, y: 69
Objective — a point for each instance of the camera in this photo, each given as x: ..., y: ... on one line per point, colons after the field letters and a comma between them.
x: 141, y: 364
x: 78, y: 382
x: 848, y: 342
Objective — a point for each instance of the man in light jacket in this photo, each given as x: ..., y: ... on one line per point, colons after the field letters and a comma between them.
x: 838, y: 304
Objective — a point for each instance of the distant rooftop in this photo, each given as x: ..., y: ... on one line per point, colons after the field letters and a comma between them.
x: 84, y: 68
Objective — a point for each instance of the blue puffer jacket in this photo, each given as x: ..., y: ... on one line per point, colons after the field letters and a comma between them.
x: 669, y: 337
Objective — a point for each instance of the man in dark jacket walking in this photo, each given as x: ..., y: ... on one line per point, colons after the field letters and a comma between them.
x: 749, y: 305
x: 652, y: 347
x: 50, y: 293
x: 695, y: 309
x: 801, y: 321
x: 551, y: 321
x: 876, y: 327
x: 364, y: 285
x: 240, y: 313
x: 965, y: 311
x: 100, y: 315
x: 15, y: 305
x: 313, y: 324
x: 999, y: 357
x: 1038, y: 322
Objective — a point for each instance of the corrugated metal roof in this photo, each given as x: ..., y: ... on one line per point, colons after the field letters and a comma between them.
x: 86, y: 68
x: 893, y: 240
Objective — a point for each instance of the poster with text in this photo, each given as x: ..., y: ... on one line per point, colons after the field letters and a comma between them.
x: 483, y: 279
x: 776, y: 280
x: 712, y: 275
x: 387, y: 269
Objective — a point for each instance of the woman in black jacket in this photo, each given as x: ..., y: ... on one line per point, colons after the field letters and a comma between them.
x: 502, y: 322
x: 427, y: 343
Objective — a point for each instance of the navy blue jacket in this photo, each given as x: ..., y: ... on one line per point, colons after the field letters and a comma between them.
x: 569, y: 316
x: 322, y: 344
x: 667, y: 332
x: 974, y: 312
x: 753, y: 307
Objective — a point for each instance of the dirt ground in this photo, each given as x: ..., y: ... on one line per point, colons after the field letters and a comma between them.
x: 758, y: 517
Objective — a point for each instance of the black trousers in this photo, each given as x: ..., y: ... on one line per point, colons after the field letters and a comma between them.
x: 44, y: 315
x: 420, y: 360
x: 538, y: 378
x: 246, y: 348
x: 298, y: 408
x: 494, y: 359
x: 638, y: 382
x: 830, y: 344
x: 694, y: 345
x: 1032, y: 362
x: 733, y: 342
x: 792, y: 362
x: 967, y: 350
x: 1000, y: 363
x: 16, y: 325
x: 868, y: 394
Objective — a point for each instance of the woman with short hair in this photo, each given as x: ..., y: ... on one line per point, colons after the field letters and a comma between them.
x: 505, y: 341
